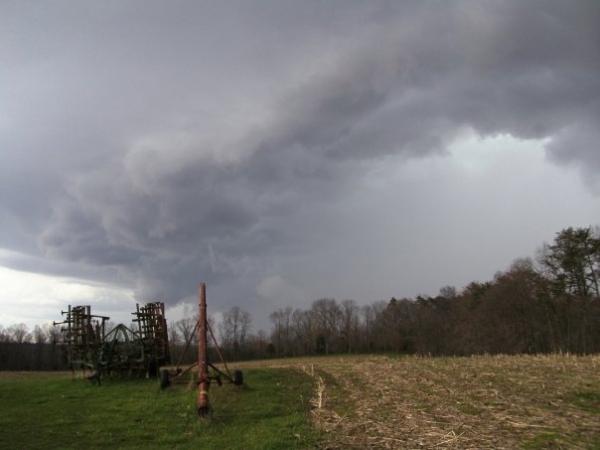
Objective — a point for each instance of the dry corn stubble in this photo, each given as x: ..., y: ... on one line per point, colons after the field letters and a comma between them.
x: 474, y: 402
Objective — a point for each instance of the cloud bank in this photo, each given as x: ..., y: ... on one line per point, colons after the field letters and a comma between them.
x: 151, y: 144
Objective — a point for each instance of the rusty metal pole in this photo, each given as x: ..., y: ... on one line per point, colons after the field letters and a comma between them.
x: 202, y: 404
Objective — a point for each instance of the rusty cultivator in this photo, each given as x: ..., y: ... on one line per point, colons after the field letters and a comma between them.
x: 122, y: 350
x: 125, y: 351
x: 207, y: 371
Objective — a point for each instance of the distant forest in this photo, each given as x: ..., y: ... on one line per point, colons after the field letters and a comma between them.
x: 550, y: 305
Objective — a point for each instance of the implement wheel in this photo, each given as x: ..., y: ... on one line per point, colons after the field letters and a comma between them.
x: 238, y: 377
x: 165, y: 379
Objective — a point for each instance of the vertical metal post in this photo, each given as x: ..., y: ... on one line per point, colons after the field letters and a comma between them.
x: 202, y: 404
x: 70, y: 342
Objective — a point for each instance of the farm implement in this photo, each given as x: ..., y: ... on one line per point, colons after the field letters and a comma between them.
x: 120, y: 351
x: 143, y: 349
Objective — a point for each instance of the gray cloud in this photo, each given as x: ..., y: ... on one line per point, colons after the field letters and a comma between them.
x: 156, y: 143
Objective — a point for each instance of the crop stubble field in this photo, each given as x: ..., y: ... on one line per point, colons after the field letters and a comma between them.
x: 355, y: 402
x: 478, y: 402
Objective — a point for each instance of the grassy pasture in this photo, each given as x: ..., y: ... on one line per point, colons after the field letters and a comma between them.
x: 45, y: 410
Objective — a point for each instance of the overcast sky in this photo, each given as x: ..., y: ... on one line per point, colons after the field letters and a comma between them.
x: 289, y: 150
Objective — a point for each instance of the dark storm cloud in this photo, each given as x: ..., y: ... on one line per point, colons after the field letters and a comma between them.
x: 157, y: 141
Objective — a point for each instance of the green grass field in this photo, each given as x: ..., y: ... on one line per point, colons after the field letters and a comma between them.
x: 40, y: 411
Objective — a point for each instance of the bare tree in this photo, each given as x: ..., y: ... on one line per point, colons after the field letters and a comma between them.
x: 40, y: 334
x: 187, y: 324
x: 349, y: 318
x: 326, y: 315
x: 245, y: 326
x: 234, y: 329
x: 448, y: 292
x: 4, y: 334
x: 174, y: 337
x: 19, y: 333
x: 303, y: 331
x: 54, y: 335
x: 281, y: 336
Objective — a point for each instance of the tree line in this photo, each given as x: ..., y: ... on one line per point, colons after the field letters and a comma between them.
x: 550, y: 305
x: 39, y: 349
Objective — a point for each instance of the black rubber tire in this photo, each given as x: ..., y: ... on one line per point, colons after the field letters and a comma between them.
x: 165, y: 379
x: 152, y: 369
x: 238, y: 377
